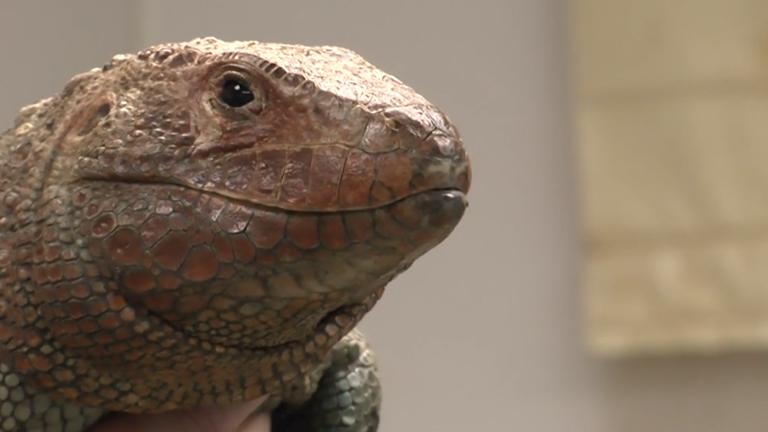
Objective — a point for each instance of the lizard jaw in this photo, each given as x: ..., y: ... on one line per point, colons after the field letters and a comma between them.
x: 443, y: 209
x: 256, y: 261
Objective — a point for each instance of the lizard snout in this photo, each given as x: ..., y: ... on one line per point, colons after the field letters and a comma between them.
x: 416, y: 149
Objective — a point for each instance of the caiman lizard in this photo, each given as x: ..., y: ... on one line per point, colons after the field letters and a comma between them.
x: 205, y: 223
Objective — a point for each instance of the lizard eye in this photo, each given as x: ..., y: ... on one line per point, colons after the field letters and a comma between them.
x: 235, y: 93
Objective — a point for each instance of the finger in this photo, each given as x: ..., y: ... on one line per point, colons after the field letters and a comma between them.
x: 257, y: 423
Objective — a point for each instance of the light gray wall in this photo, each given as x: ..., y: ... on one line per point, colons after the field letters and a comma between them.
x: 43, y: 43
x: 483, y: 334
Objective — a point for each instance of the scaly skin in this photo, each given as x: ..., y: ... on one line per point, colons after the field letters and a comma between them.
x: 203, y: 223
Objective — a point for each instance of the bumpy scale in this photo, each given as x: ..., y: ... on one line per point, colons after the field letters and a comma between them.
x: 205, y: 223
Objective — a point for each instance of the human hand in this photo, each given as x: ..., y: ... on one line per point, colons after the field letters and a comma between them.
x: 238, y: 418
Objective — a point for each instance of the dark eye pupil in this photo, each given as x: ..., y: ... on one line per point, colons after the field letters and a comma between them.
x: 235, y: 93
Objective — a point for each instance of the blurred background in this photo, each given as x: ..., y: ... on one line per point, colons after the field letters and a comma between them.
x: 487, y: 332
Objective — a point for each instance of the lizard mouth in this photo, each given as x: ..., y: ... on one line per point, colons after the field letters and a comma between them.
x: 457, y: 190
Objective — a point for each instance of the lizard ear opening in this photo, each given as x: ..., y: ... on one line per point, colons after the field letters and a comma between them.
x: 94, y: 117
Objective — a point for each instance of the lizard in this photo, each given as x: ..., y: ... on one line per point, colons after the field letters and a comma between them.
x: 205, y: 223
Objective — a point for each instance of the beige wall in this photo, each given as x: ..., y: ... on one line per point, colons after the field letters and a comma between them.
x: 484, y: 333
x: 671, y: 120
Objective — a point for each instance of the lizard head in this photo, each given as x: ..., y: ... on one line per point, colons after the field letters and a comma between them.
x: 285, y: 126
x: 239, y: 205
